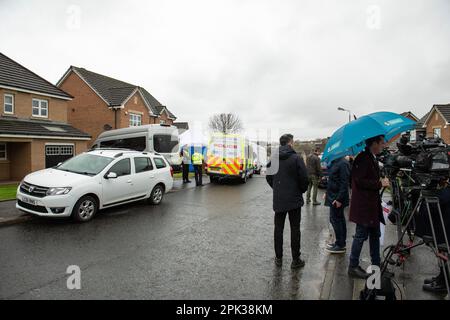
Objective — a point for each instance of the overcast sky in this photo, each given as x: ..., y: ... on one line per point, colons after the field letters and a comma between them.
x: 284, y: 65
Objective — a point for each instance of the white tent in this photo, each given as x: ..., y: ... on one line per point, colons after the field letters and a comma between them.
x: 193, y: 138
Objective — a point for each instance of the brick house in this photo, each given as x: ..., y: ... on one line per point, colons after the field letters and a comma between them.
x: 102, y: 103
x: 34, y: 133
x: 437, y: 122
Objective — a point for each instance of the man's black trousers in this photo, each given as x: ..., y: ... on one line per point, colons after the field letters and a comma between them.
x: 294, y: 220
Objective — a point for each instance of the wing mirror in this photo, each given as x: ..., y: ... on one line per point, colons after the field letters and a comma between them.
x: 111, y: 175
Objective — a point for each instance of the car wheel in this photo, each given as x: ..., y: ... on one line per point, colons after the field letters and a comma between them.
x: 156, y: 195
x: 214, y: 179
x: 85, y: 209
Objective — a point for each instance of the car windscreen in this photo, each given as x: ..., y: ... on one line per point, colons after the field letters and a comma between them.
x: 88, y: 164
x: 165, y: 143
x: 136, y: 143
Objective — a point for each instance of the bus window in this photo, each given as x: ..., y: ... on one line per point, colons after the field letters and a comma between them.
x: 137, y: 143
x: 163, y: 143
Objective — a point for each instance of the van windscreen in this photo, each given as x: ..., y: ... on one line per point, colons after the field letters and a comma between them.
x: 163, y: 143
x: 137, y: 143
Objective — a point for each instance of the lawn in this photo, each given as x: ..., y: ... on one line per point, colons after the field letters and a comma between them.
x: 8, y: 192
x: 179, y: 175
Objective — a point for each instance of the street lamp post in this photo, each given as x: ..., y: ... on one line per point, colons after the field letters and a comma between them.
x: 349, y: 113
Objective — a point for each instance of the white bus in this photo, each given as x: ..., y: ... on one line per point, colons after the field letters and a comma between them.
x: 159, y: 138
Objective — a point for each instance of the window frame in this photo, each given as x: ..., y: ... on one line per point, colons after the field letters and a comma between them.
x: 123, y: 175
x: 12, y: 103
x: 39, y: 108
x: 6, y: 151
x: 162, y: 159
x: 149, y: 162
x: 133, y: 119
x: 434, y: 132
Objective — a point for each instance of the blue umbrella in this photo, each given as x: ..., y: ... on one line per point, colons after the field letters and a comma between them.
x: 350, y: 138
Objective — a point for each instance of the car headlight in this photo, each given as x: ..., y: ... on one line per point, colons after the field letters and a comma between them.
x: 58, y: 191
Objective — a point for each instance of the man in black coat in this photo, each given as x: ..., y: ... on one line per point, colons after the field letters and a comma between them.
x: 288, y: 178
x: 337, y: 199
x: 365, y: 206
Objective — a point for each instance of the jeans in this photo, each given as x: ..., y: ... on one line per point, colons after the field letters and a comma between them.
x: 313, y: 184
x: 294, y: 220
x: 337, y: 220
x: 185, y: 172
x: 362, y: 233
x: 198, y: 174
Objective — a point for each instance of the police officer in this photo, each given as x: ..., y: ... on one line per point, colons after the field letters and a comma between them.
x: 197, y: 161
x: 186, y: 162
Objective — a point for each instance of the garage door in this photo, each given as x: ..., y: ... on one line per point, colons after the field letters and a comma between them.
x: 55, y: 154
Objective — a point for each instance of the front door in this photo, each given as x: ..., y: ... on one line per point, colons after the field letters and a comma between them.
x: 120, y: 189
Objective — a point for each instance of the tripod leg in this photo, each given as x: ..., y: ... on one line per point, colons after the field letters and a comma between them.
x: 433, y: 232
x: 445, y: 264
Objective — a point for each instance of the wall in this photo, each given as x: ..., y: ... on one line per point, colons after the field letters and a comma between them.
x: 434, y: 121
x: 57, y: 108
x: 87, y: 111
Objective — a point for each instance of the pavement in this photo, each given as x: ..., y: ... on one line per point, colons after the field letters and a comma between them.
x: 214, y: 242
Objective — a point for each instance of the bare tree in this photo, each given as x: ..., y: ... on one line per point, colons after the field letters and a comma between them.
x: 225, y: 123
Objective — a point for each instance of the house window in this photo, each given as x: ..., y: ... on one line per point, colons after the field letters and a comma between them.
x: 413, y: 135
x: 437, y: 132
x: 162, y: 121
x: 3, y: 155
x: 40, y: 108
x: 135, y: 119
x: 8, y: 105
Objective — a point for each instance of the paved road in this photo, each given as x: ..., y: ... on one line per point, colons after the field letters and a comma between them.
x: 213, y: 242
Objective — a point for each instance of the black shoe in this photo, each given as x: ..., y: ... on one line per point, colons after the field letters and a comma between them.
x: 278, y: 262
x: 435, y: 287
x: 297, y: 263
x: 358, y: 272
x: 429, y: 280
x: 316, y: 203
x: 335, y: 249
x: 308, y: 201
x: 330, y: 245
x: 189, y: 181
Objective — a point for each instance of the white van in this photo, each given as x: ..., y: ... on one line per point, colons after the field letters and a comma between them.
x: 159, y: 138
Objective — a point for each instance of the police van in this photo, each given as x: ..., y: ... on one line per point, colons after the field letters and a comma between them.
x: 158, y: 138
x: 229, y: 156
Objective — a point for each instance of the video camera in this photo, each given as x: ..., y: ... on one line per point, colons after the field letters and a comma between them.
x: 426, y: 163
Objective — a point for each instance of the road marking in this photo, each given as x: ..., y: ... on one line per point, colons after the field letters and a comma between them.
x: 325, y: 293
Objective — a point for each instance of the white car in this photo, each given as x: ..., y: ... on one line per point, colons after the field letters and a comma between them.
x: 95, y: 180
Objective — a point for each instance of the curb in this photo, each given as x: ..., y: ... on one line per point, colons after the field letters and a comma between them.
x: 14, y: 220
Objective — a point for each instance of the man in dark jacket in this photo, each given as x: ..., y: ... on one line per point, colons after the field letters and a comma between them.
x: 365, y: 206
x: 314, y: 171
x: 337, y: 199
x: 289, y: 181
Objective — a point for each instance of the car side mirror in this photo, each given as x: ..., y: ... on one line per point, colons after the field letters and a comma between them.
x: 111, y: 175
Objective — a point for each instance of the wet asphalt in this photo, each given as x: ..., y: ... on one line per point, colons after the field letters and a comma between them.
x: 210, y: 242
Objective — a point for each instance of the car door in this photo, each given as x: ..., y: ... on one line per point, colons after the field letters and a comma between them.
x: 116, y: 190
x: 144, y: 177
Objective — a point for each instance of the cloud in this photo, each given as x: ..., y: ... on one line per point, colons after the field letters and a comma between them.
x: 278, y: 64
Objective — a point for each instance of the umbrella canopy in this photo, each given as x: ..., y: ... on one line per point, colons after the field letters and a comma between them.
x: 350, y: 138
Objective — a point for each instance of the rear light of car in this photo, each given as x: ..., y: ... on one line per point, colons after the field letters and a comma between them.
x: 171, y: 171
x: 241, y: 166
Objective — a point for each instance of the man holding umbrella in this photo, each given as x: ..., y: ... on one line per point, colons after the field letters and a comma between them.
x: 365, y: 138
x: 365, y: 206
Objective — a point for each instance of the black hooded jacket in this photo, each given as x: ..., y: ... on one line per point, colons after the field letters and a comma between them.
x: 289, y: 182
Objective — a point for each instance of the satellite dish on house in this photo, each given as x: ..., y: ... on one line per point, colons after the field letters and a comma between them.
x: 107, y: 127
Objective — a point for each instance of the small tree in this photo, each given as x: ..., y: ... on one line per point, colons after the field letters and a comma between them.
x: 225, y: 123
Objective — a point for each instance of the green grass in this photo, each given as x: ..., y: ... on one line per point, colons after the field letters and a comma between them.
x: 179, y: 175
x: 8, y: 192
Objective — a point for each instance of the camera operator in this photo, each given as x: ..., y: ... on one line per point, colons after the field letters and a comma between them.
x: 365, y: 205
x: 423, y: 229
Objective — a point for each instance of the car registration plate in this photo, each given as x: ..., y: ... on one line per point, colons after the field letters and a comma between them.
x: 215, y: 168
x: 29, y: 201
